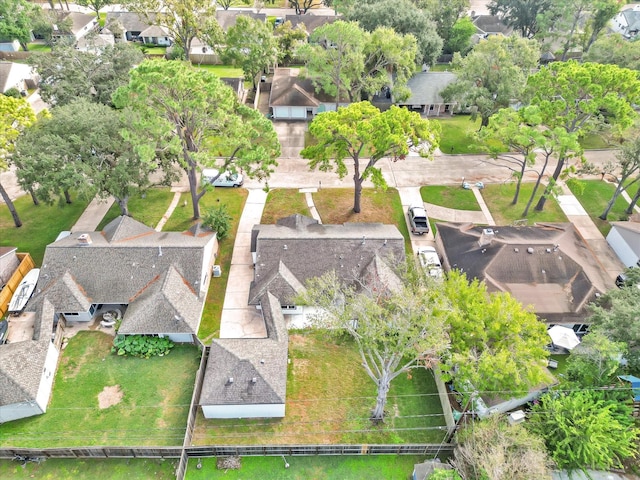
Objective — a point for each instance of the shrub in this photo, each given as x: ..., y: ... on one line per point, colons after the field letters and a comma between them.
x: 144, y: 346
x: 13, y: 92
x: 218, y: 220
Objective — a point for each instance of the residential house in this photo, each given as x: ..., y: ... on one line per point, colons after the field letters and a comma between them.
x: 426, y: 88
x: 96, y: 43
x: 296, y: 98
x: 28, y: 366
x: 548, y: 266
x: 227, y: 18
x: 310, y: 21
x: 157, y: 281
x: 156, y: 35
x: 80, y: 24
x: 128, y: 26
x: 624, y: 239
x: 487, y: 25
x: 237, y: 85
x: 17, y: 75
x: 627, y: 22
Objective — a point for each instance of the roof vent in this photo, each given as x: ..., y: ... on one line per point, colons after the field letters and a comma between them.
x: 488, y: 231
x: 516, y: 250
x: 285, y: 247
x: 159, y: 250
x: 262, y: 361
x: 385, y: 241
x: 364, y: 239
x: 230, y: 381
x: 84, y: 239
x: 254, y: 380
x: 530, y: 250
x: 548, y: 250
x: 486, y: 237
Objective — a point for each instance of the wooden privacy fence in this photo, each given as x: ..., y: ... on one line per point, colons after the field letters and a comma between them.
x: 26, y: 264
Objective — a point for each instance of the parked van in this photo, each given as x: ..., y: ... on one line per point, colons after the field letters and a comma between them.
x: 226, y: 179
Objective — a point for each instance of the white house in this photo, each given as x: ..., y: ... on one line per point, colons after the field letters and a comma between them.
x: 627, y: 22
x: 17, y: 75
x: 624, y: 239
x: 81, y: 24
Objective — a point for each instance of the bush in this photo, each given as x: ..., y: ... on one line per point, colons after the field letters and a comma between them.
x: 144, y: 346
x: 13, y: 92
x: 218, y: 220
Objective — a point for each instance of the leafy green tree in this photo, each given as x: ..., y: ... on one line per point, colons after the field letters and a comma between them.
x: 205, y: 118
x: 446, y: 14
x: 289, y: 39
x: 68, y: 74
x: 492, y: 75
x: 218, y: 220
x: 585, y: 429
x: 15, y: 115
x: 252, y: 46
x: 595, y: 362
x: 18, y: 17
x: 493, y: 449
x: 95, y: 5
x: 459, y: 39
x: 583, y: 98
x: 395, y: 329
x: 496, y: 344
x: 628, y: 166
x: 602, y: 12
x: 520, y: 15
x: 360, y: 130
x: 302, y: 6
x: 405, y: 18
x: 615, y: 49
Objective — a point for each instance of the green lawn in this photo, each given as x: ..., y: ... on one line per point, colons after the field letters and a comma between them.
x: 594, y: 197
x: 458, y: 135
x: 182, y: 219
x: 387, y: 467
x: 329, y: 399
x: 38, y: 47
x: 450, y: 197
x: 223, y: 71
x: 282, y: 202
x: 102, y: 18
x: 153, y: 49
x: 153, y: 409
x: 593, y: 141
x: 498, y: 198
x: 147, y: 209
x: 91, y: 469
x: 41, y: 224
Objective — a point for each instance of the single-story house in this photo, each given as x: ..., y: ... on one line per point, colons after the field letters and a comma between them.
x: 237, y: 85
x: 247, y: 377
x: 310, y: 21
x: 425, y: 93
x: 127, y: 25
x: 81, y: 24
x: 17, y: 75
x: 627, y: 22
x: 624, y: 239
x: 27, y: 368
x: 296, y: 98
x: 156, y: 35
x: 548, y: 266
x: 157, y: 280
x: 227, y: 18
x: 487, y: 25
x: 96, y: 43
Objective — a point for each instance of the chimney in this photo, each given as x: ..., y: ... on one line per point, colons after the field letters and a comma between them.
x: 84, y: 239
x: 486, y: 237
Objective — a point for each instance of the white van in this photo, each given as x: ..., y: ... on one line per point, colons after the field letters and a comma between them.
x: 226, y: 179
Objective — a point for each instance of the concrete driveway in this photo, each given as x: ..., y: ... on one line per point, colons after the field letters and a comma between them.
x: 291, y: 136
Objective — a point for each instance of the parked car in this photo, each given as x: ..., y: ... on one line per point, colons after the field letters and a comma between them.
x: 418, y: 220
x: 225, y: 179
x: 430, y: 261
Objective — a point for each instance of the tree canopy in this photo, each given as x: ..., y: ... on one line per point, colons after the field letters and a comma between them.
x: 615, y: 49
x: 95, y: 5
x: 18, y: 19
x: 289, y: 39
x: 520, y: 15
x: 627, y: 168
x: 361, y: 132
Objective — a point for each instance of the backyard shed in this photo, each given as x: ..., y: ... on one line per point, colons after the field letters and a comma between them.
x: 624, y: 239
x: 635, y: 385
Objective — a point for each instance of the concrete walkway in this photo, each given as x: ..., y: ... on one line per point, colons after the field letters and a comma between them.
x: 483, y: 206
x: 172, y: 206
x: 93, y: 215
x: 308, y: 196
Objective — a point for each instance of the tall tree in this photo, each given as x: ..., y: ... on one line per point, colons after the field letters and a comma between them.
x: 184, y: 19
x: 18, y: 18
x: 615, y: 49
x: 628, y: 164
x: 68, y: 74
x: 251, y: 45
x: 493, y: 74
x: 496, y: 344
x: 583, y: 98
x: 459, y: 39
x: 446, y: 13
x: 360, y: 130
x: 206, y: 119
x: 95, y: 5
x: 521, y: 15
x: 15, y: 115
x: 595, y: 362
x: 602, y: 12
x: 395, y: 329
x: 303, y: 6
x: 289, y: 39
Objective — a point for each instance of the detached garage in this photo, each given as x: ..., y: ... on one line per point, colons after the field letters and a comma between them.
x: 624, y: 239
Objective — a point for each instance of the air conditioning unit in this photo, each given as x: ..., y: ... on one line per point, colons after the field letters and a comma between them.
x: 216, y: 271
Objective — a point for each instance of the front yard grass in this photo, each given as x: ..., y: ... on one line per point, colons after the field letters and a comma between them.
x: 594, y: 195
x: 458, y: 135
x: 153, y: 409
x: 388, y: 467
x: 498, y: 198
x: 450, y: 197
x: 90, y: 469
x: 41, y: 224
x: 335, y: 206
x: 182, y: 219
x: 329, y: 399
x: 282, y: 202
x: 147, y: 209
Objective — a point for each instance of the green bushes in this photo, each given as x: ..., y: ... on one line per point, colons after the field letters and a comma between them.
x: 144, y: 346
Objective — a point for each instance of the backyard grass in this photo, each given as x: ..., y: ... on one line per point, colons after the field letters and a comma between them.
x: 594, y: 196
x: 498, y: 198
x: 38, y: 47
x: 41, y: 224
x: 450, y: 197
x: 593, y: 141
x: 147, y: 209
x: 458, y: 135
x: 329, y: 399
x: 153, y: 409
x: 102, y: 18
x: 282, y: 202
x: 153, y: 50
x: 91, y: 469
x: 182, y: 219
x: 335, y: 206
x: 223, y: 71
x: 387, y: 467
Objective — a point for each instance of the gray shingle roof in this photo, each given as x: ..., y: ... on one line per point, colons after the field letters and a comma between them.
x: 131, y: 22
x: 309, y: 21
x: 155, y: 31
x: 228, y: 18
x: 258, y: 367
x: 426, y: 87
x: 288, y: 89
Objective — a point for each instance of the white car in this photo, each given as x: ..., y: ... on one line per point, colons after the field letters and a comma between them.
x: 430, y: 261
x: 226, y: 179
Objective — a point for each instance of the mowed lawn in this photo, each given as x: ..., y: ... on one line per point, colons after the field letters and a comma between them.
x: 450, y: 197
x: 152, y: 411
x: 594, y: 195
x: 41, y: 224
x: 498, y: 198
x: 282, y: 202
x: 147, y: 208
x: 458, y: 135
x: 329, y: 399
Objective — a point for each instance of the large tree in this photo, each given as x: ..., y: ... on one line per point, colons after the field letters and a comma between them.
x: 446, y: 13
x: 289, y: 39
x: 521, y: 15
x: 615, y: 49
x: 595, y: 362
x: 15, y: 115
x: 583, y: 98
x: 493, y: 74
x: 602, y: 12
x: 184, y: 19
x: 395, y: 329
x: 18, y: 18
x: 303, y: 6
x: 210, y: 126
x: 251, y: 45
x: 68, y: 74
x: 628, y: 166
x: 496, y: 344
x: 84, y: 147
x: 361, y: 132
x: 95, y: 5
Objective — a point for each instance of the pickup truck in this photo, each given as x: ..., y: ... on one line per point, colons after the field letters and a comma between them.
x: 418, y: 220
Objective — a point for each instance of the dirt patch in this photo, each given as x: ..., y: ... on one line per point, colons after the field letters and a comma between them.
x: 110, y: 396
x: 300, y: 366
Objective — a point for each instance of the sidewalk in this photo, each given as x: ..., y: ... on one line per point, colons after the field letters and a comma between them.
x: 93, y: 215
